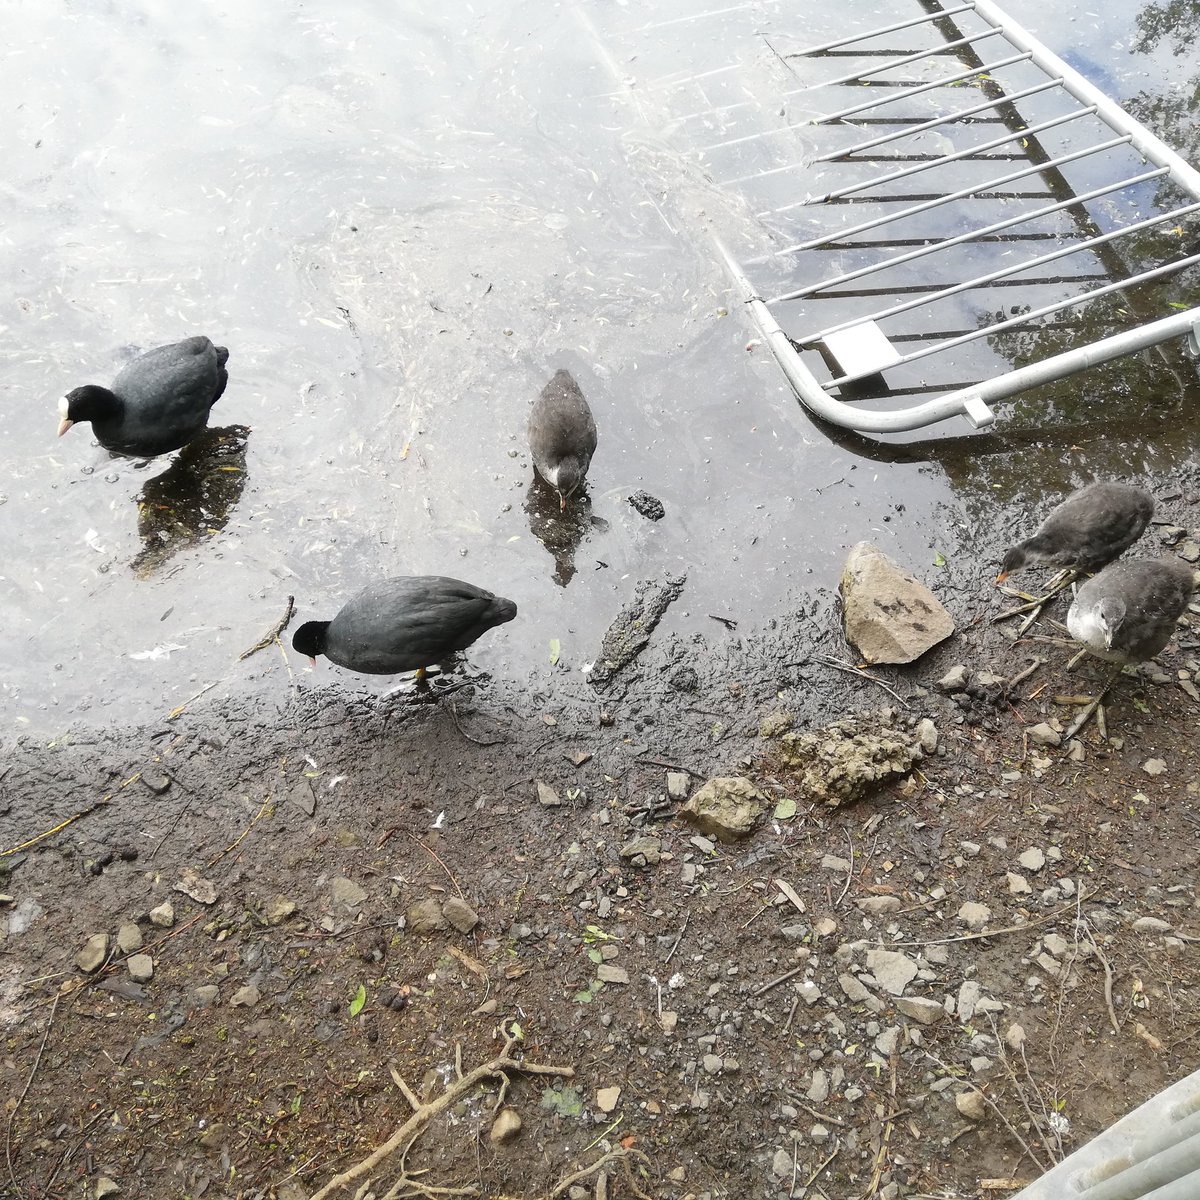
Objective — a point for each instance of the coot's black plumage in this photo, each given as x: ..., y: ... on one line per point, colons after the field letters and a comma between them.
x: 562, y: 435
x: 1127, y: 613
x: 157, y: 403
x: 1089, y: 529
x: 404, y: 624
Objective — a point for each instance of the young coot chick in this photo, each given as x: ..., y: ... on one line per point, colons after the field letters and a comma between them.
x: 404, y: 624
x: 1127, y: 613
x: 562, y: 436
x: 156, y: 404
x: 1087, y: 530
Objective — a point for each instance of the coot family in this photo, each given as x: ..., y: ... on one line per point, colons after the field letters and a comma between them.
x: 562, y: 436
x: 1089, y: 529
x: 404, y: 624
x: 157, y: 403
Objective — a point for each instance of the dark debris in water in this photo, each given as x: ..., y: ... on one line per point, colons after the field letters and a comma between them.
x: 629, y: 634
x: 649, y: 506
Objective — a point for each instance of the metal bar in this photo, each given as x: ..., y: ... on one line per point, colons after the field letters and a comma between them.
x: 934, y: 297
x: 1046, y: 310
x: 905, y: 172
x: 865, y: 37
x: 805, y: 384
x: 945, y: 81
x: 1080, y: 359
x: 1111, y: 114
x: 891, y: 64
x: 926, y: 205
x: 913, y: 130
x: 972, y: 235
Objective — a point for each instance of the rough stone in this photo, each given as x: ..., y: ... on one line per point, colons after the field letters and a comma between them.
x: 818, y: 1089
x: 1032, y: 859
x: 346, y: 892
x: 642, y: 851
x: 95, y: 951
x: 1043, y: 734
x: 678, y: 784
x: 506, y: 1126
x: 968, y: 997
x: 855, y: 992
x: 890, y: 616
x: 921, y: 1009
x: 611, y: 973
x: 927, y: 735
x: 1151, y: 925
x: 460, y: 914
x: 847, y: 760
x: 971, y: 1105
x: 974, y: 915
x: 547, y: 796
x: 878, y: 906
x: 1014, y: 1037
x: 140, y: 967
x: 203, y: 891
x: 425, y: 917
x: 106, y: 1187
x: 608, y: 1098
x: 954, y: 680
x: 163, y: 916
x: 1018, y: 885
x: 781, y: 1164
x: 892, y: 970
x: 278, y: 909
x: 726, y: 807
x: 245, y: 997
x: 129, y: 938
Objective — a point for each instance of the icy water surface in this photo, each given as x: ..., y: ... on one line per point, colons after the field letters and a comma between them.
x: 401, y: 219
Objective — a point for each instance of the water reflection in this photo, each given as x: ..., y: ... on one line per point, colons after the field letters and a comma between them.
x: 193, y: 498
x: 562, y: 533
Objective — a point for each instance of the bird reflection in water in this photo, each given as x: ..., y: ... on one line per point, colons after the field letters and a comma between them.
x: 192, y: 499
x: 561, y: 532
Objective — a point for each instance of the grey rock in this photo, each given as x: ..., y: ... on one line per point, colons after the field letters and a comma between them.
x: 425, y: 917
x: 129, y: 938
x: 106, y: 1187
x: 1043, y: 734
x: 781, y: 1164
x: 726, y: 807
x: 854, y: 990
x: 163, y: 916
x: 141, y: 968
x: 775, y: 723
x: 245, y: 997
x: 711, y: 1063
x: 1056, y: 944
x: 1018, y: 885
x: 1014, y: 1037
x: 611, y: 973
x: 203, y: 891
x: 927, y: 735
x: 1151, y: 925
x: 678, y: 784
x: 921, y: 1009
x: 889, y: 1040
x: 95, y: 951
x: 890, y: 616
x: 643, y: 851
x: 301, y: 794
x: 975, y: 915
x: 818, y: 1089
x: 346, y: 892
x: 878, y: 906
x: 819, y: 1133
x: 206, y: 994
x: 968, y: 997
x: 971, y: 1105
x: 954, y: 680
x: 547, y: 796
x: 893, y: 971
x: 460, y: 914
x: 831, y: 862
x: 1032, y: 859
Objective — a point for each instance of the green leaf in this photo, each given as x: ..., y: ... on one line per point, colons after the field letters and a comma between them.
x: 939, y: 560
x: 360, y: 998
x: 555, y: 651
x: 566, y: 1102
x: 595, y: 956
x: 785, y: 809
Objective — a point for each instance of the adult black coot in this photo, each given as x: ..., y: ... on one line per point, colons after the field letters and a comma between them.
x: 1089, y: 529
x: 562, y: 436
x: 1127, y: 613
x: 404, y: 624
x: 157, y: 403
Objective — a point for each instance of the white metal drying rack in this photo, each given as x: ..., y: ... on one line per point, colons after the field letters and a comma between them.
x: 862, y: 348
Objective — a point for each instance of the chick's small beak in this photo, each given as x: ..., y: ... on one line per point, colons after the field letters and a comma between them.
x: 312, y: 661
x: 64, y: 425
x: 562, y: 502
x: 1002, y: 576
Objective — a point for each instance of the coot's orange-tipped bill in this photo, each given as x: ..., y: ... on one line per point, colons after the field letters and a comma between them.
x: 64, y: 425
x: 1002, y: 576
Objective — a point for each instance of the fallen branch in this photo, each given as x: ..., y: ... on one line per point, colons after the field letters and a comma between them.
x: 836, y: 665
x: 620, y: 1155
x: 273, y: 635
x: 411, y: 1129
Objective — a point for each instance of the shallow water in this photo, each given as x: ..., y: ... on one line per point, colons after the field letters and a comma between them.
x: 401, y: 223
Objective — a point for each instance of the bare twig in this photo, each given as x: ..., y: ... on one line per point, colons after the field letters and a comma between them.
x: 619, y: 1155
x: 439, y: 863
x: 766, y: 987
x: 262, y: 809
x: 849, y: 871
x: 495, y: 1068
x: 827, y: 661
x: 273, y: 635
x: 1108, y: 980
x: 682, y: 929
x: 470, y: 738
x: 987, y: 933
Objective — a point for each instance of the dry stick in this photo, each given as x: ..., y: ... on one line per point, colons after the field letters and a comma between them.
x: 849, y: 670
x: 987, y: 933
x: 267, y: 638
x: 105, y: 799
x: 1023, y: 675
x: 495, y: 1067
x: 1082, y: 719
x: 465, y: 734
x: 885, y: 1141
x: 1012, y: 1078
x: 1108, y: 980
x: 683, y: 928
x: 850, y: 872
x: 766, y: 987
x: 24, y: 1092
x: 439, y: 863
x: 837, y: 1149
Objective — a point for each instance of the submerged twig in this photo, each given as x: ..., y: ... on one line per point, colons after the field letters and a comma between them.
x: 273, y: 634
